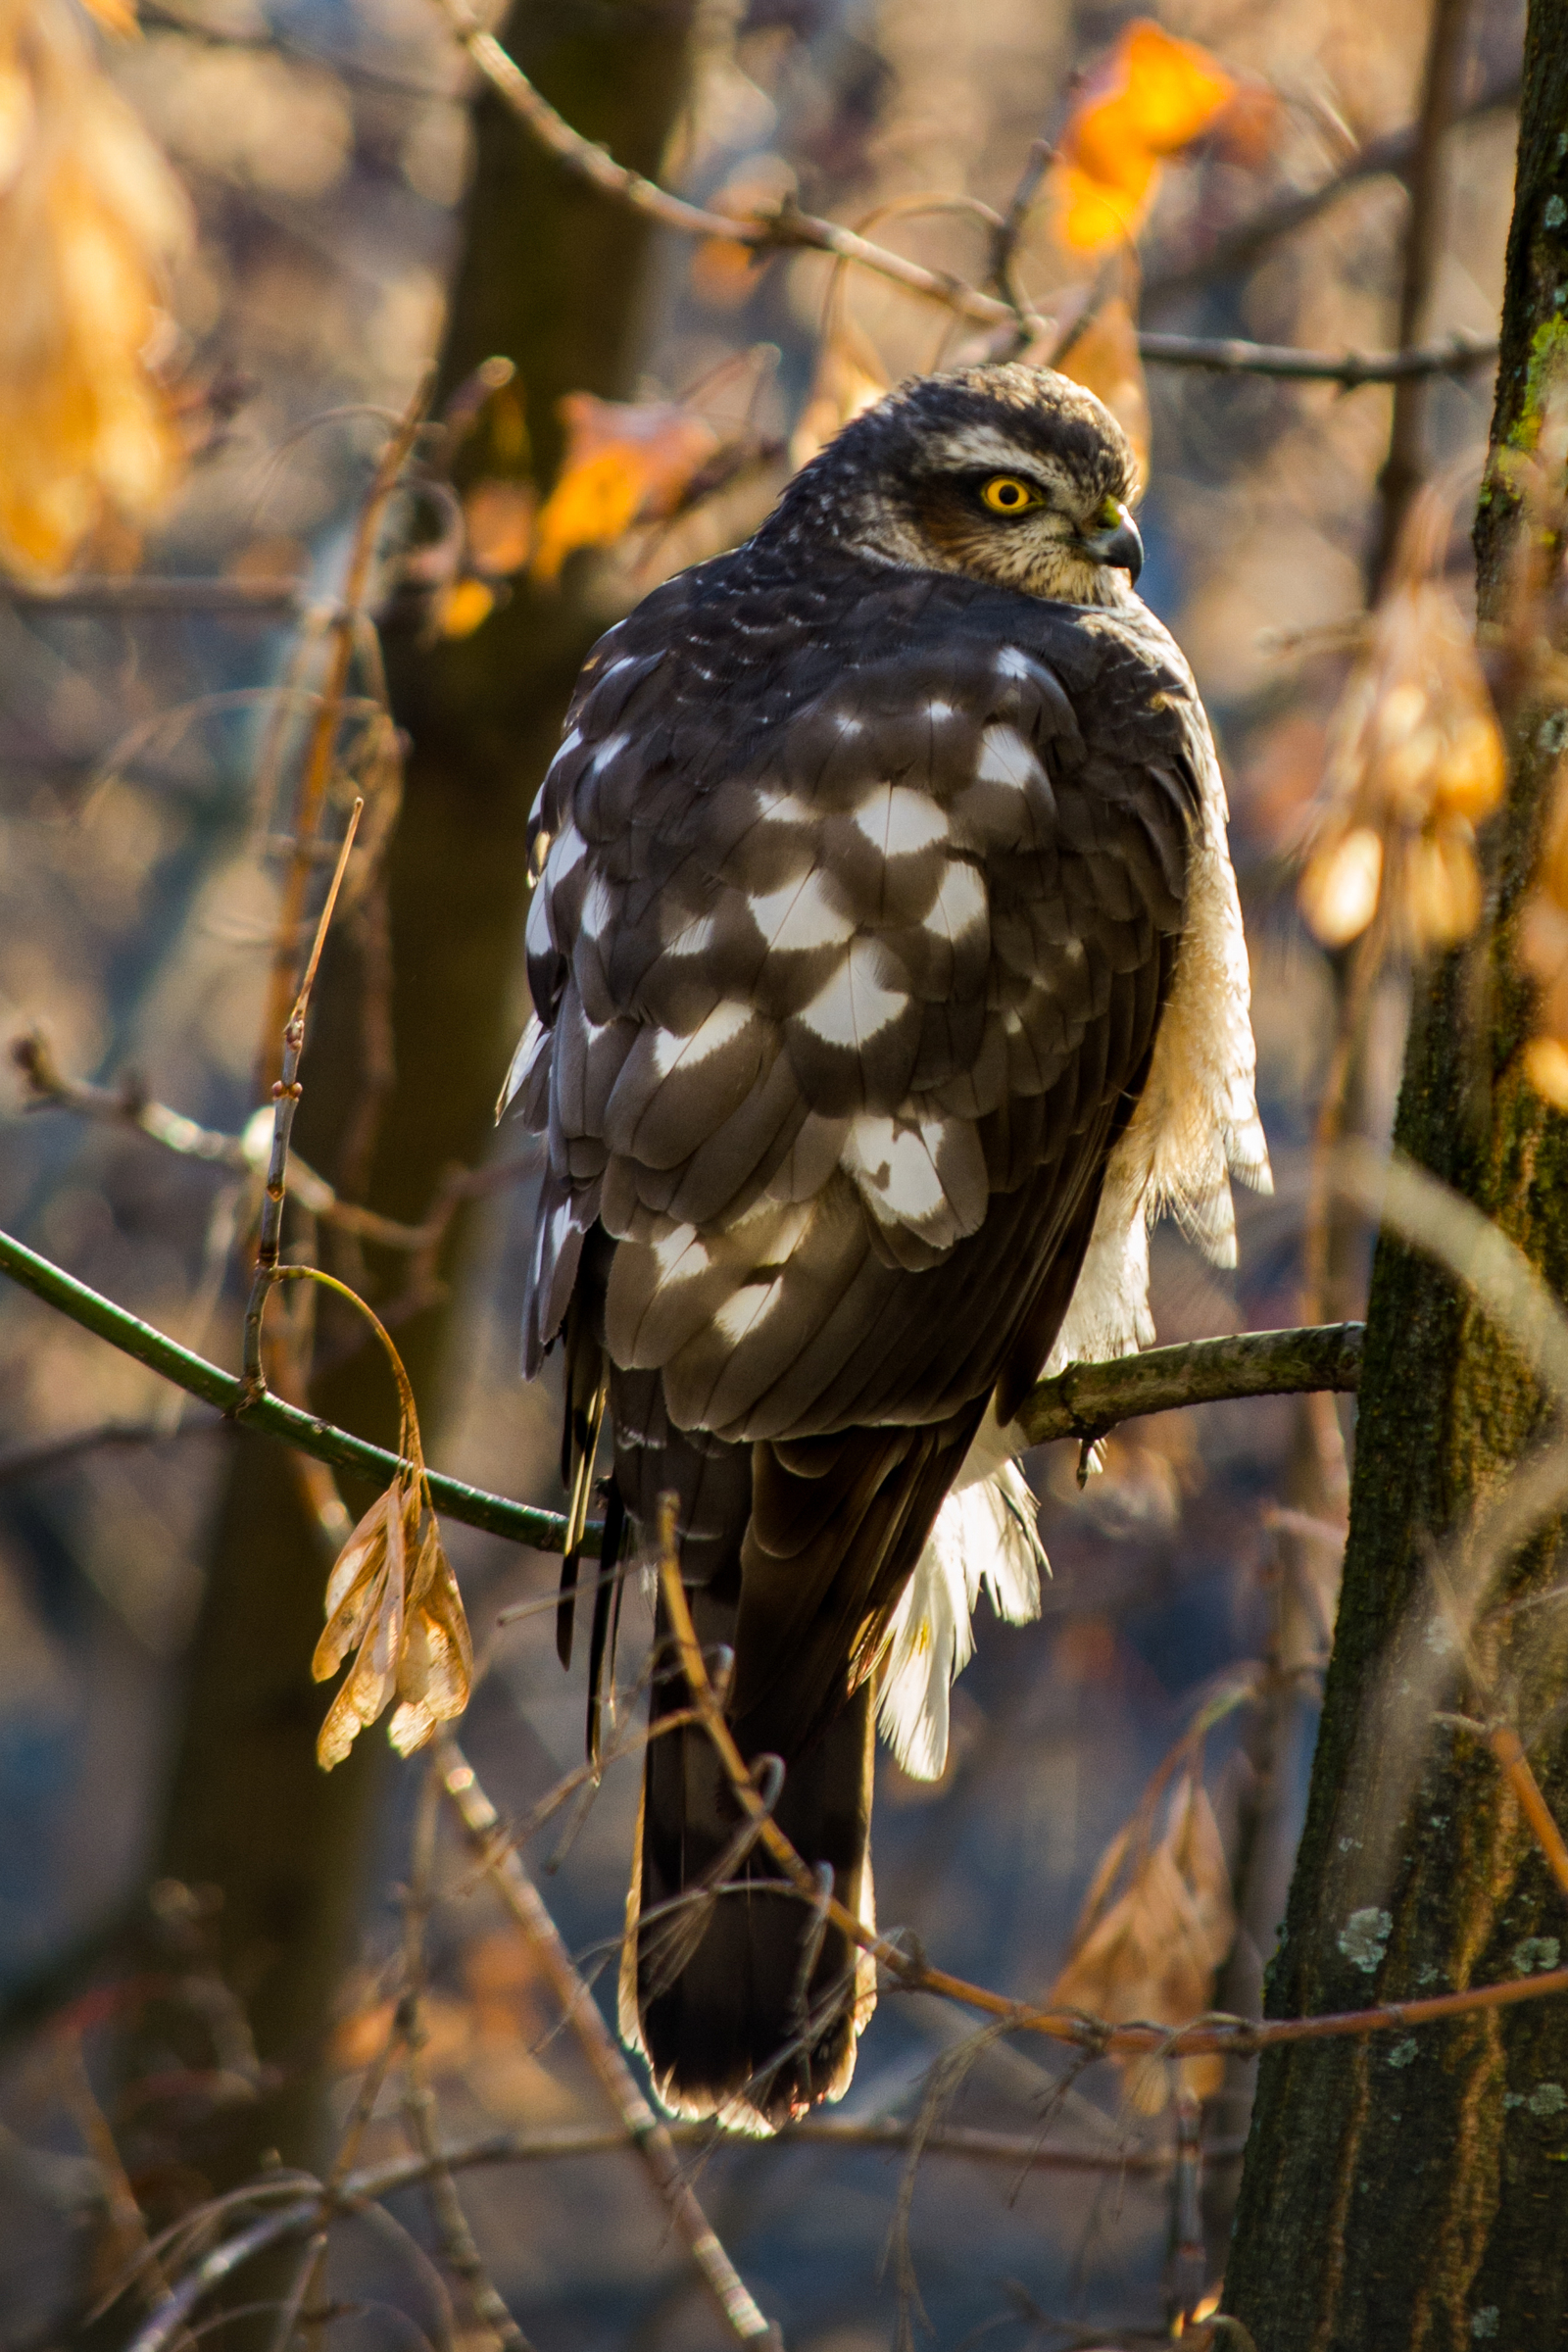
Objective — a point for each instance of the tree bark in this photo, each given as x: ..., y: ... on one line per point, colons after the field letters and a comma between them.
x: 549, y: 277
x: 1410, y: 2189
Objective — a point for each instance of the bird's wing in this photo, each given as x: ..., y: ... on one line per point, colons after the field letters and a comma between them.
x: 846, y: 1014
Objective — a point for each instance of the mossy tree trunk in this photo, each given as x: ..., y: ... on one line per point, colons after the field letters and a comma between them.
x: 1411, y: 2189
x: 551, y: 279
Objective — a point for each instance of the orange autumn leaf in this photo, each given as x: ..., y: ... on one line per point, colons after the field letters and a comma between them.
x: 626, y: 462
x: 1153, y: 95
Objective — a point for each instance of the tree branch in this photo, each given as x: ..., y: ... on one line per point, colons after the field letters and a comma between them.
x: 1081, y: 1403
x: 1453, y: 355
x: 1088, y: 1400
x: 788, y: 227
x: 1236, y: 249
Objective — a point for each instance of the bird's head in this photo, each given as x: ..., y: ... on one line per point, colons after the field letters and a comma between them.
x: 1007, y: 474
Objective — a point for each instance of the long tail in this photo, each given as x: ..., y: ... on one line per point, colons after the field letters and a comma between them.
x: 746, y: 2001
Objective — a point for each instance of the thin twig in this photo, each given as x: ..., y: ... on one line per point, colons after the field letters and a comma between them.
x: 1508, y: 1749
x: 643, y: 2127
x: 1453, y: 355
x: 1405, y: 465
x: 458, y: 2246
x: 787, y: 228
x: 344, y: 632
x: 126, y: 1105
x: 42, y: 1455
x: 1236, y: 249
x: 287, y: 1093
x: 143, y: 592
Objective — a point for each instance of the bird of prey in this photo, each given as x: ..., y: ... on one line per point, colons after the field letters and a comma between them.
x: 888, y: 975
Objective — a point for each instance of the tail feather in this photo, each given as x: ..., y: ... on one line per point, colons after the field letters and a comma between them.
x: 746, y: 2001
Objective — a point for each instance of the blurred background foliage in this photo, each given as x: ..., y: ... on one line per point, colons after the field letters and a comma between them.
x: 235, y: 239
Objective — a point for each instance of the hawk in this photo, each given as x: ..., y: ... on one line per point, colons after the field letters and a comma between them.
x: 888, y: 975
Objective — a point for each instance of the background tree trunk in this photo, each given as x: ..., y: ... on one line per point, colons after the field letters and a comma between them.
x: 549, y: 277
x: 1411, y: 2190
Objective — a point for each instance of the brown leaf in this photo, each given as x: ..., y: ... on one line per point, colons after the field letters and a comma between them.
x: 393, y: 1603
x: 1415, y: 761
x: 1151, y: 1954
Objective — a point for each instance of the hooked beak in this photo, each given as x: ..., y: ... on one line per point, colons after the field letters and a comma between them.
x: 1118, y: 544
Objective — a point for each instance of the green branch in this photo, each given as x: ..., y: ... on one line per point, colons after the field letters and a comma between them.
x: 269, y: 1415
x: 1082, y: 1403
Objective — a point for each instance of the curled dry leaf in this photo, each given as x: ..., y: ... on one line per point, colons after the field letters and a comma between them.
x: 91, y: 221
x: 1149, y: 98
x: 393, y: 1606
x: 1415, y: 762
x: 626, y: 462
x: 1152, y: 1951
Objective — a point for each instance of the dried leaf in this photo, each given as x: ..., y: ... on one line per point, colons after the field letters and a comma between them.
x: 91, y: 221
x: 1152, y: 1953
x: 499, y: 516
x: 1105, y: 359
x: 393, y: 1601
x: 1151, y: 97
x: 1339, y: 891
x: 626, y: 462
x: 464, y: 607
x: 1415, y: 761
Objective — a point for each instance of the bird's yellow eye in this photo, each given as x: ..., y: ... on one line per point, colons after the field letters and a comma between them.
x: 1006, y: 494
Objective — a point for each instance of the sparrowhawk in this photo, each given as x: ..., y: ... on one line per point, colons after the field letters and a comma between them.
x: 888, y: 975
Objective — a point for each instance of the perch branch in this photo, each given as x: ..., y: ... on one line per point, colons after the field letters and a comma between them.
x: 1101, y: 1395
x: 1088, y: 1400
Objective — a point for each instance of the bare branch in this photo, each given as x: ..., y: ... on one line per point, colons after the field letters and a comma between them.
x: 1234, y: 250
x: 152, y: 593
x: 1455, y: 354
x: 1088, y: 1400
x: 788, y: 227
x: 1107, y: 1392
x: 643, y: 2127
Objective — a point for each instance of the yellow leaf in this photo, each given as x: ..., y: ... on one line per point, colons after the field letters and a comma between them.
x: 1339, y: 891
x: 1105, y: 359
x: 625, y: 462
x: 1442, y: 887
x: 1546, y: 1068
x: 464, y: 607
x: 1151, y: 97
x: 91, y: 221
